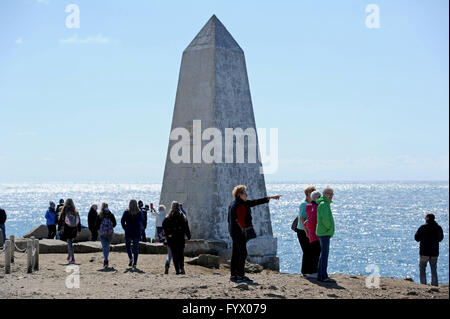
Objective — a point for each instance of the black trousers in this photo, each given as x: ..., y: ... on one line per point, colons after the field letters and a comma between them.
x: 315, y: 255
x: 143, y: 236
x: 307, y: 256
x: 239, y: 255
x: 94, y: 234
x: 177, y: 256
x: 51, y: 231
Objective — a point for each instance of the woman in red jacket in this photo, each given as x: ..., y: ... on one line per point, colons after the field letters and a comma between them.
x: 239, y: 219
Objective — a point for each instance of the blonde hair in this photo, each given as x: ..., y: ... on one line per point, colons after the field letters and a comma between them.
x: 309, y: 190
x: 102, y: 210
x: 237, y: 190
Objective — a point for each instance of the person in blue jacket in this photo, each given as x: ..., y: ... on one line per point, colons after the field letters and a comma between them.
x: 52, y: 219
x: 132, y: 223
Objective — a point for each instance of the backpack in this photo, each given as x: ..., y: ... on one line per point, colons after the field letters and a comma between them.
x: 106, y: 227
x: 71, y: 220
x: 295, y: 224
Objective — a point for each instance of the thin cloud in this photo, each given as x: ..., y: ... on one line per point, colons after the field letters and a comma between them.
x: 97, y: 39
x: 19, y: 40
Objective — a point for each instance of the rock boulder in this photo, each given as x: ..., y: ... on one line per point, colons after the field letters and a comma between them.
x: 205, y: 260
x: 39, y: 232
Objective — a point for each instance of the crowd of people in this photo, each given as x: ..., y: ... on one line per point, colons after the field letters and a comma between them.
x: 63, y: 222
x: 314, y: 226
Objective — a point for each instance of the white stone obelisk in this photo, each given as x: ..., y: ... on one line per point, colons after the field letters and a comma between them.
x: 213, y: 92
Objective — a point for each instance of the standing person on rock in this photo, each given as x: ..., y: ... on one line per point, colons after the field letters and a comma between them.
x: 429, y: 236
x: 144, y: 214
x: 302, y: 234
x: 239, y: 219
x: 324, y: 231
x: 176, y: 227
x: 51, y: 218
x: 92, y: 220
x: 2, y: 223
x: 314, y: 243
x: 132, y: 224
x: 69, y: 227
x: 104, y: 225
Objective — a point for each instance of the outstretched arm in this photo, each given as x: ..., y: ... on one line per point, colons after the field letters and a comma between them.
x: 264, y: 200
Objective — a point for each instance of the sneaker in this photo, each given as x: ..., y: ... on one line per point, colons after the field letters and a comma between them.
x: 245, y: 279
x: 72, y: 261
x: 130, y: 263
x: 105, y: 264
x: 68, y: 258
x: 166, y: 271
x: 182, y: 272
x: 134, y: 266
x: 234, y: 278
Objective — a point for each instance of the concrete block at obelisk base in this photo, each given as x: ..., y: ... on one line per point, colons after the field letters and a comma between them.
x: 52, y: 246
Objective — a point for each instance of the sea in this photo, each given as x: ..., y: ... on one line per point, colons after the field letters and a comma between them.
x: 375, y: 221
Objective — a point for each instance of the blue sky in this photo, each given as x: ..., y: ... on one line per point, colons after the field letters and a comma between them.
x: 350, y: 103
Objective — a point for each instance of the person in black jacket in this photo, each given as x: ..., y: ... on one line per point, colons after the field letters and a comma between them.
x: 144, y: 213
x: 239, y: 219
x: 175, y: 227
x: 132, y: 224
x: 2, y: 223
x: 429, y: 236
x: 92, y: 219
x: 105, y: 224
x: 69, y: 227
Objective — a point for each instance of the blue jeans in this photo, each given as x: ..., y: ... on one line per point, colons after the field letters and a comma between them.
x: 323, y: 259
x: 135, y: 254
x: 106, y: 242
x: 424, y: 260
x: 2, y: 227
x: 70, y: 248
x: 169, y: 257
x: 159, y: 231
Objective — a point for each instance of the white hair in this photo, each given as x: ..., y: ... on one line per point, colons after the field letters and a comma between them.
x: 327, y: 191
x: 162, y: 208
x: 315, y: 195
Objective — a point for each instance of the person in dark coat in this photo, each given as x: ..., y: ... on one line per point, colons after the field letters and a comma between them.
x: 2, y: 223
x: 104, y: 225
x: 132, y: 224
x: 239, y: 219
x: 429, y: 235
x: 69, y: 227
x: 176, y: 227
x: 92, y: 219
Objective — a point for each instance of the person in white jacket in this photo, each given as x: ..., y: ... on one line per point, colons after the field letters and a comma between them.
x: 160, y: 215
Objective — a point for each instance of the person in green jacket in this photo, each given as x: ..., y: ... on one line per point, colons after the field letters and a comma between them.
x: 324, y: 230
